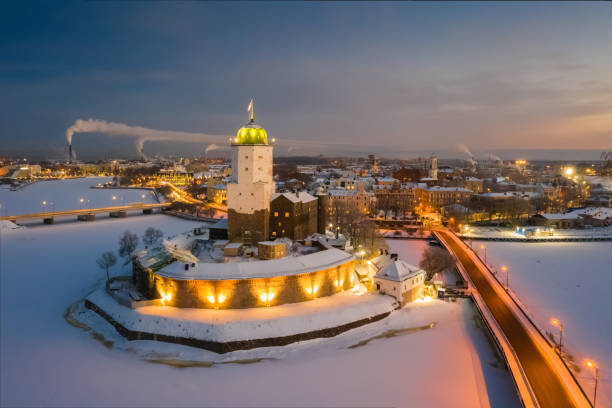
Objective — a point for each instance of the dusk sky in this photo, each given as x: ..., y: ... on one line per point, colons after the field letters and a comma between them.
x: 391, y: 78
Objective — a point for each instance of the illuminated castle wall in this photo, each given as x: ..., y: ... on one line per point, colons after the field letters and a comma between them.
x: 246, y: 293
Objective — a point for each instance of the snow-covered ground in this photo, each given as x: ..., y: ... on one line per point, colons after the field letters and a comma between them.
x: 66, y: 195
x: 408, y: 250
x: 499, y: 232
x: 569, y: 281
x: 441, y: 358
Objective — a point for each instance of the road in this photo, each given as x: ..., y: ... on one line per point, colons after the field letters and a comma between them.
x: 182, y: 196
x: 544, y: 380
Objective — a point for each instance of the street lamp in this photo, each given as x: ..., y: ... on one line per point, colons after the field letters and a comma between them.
x: 504, y: 268
x: 81, y: 201
x: 556, y: 322
x: 592, y: 365
x: 485, y: 252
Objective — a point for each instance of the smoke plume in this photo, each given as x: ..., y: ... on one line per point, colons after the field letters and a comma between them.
x: 463, y: 148
x: 141, y: 133
x: 495, y: 157
x: 139, y: 146
x: 210, y: 147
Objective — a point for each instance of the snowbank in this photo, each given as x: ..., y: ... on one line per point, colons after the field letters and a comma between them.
x: 223, y: 326
x: 6, y: 225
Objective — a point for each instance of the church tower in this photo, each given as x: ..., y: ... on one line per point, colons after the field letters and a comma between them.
x: 252, y: 185
x: 433, y: 167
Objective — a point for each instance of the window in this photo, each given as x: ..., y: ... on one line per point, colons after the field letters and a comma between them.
x: 280, y: 223
x: 283, y: 231
x: 260, y: 157
x: 286, y: 215
x: 246, y: 157
x: 273, y: 233
x: 276, y: 213
x: 246, y: 169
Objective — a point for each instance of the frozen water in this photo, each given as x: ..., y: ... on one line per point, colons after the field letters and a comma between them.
x: 569, y: 281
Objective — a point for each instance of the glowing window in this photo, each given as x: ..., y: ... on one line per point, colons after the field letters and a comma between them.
x: 273, y: 233
x: 286, y: 215
x: 276, y: 213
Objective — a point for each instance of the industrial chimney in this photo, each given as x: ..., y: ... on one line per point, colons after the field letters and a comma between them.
x: 70, y: 153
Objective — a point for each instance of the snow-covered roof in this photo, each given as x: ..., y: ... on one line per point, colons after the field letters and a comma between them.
x: 292, y: 265
x: 399, y: 271
x: 387, y: 180
x: 457, y: 189
x: 598, y: 213
x: 234, y: 245
x: 561, y: 216
x: 302, y: 196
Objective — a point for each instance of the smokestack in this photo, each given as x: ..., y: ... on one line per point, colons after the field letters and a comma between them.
x: 70, y: 153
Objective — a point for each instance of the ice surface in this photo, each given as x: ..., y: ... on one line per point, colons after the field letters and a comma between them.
x: 45, y: 361
x: 66, y: 194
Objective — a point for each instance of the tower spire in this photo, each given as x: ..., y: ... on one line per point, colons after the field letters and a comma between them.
x: 251, y: 110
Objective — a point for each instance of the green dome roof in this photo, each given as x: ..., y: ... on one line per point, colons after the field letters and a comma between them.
x: 251, y: 133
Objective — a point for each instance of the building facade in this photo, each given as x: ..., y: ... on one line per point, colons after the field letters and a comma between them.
x: 252, y: 184
x: 293, y: 215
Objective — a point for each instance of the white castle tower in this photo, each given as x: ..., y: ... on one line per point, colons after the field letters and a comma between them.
x: 252, y: 185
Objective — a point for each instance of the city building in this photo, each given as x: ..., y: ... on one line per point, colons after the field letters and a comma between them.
x: 401, y: 280
x: 333, y: 201
x: 293, y: 215
x: 217, y: 193
x: 437, y: 197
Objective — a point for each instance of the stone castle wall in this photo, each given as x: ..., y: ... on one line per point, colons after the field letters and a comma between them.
x: 256, y: 225
x: 245, y: 293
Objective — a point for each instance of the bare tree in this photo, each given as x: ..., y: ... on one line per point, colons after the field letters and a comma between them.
x: 127, y: 244
x: 152, y: 236
x: 107, y: 260
x: 435, y: 260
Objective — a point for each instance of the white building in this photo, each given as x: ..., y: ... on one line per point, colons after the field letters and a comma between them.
x: 432, y: 172
x: 401, y: 280
x: 252, y: 184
